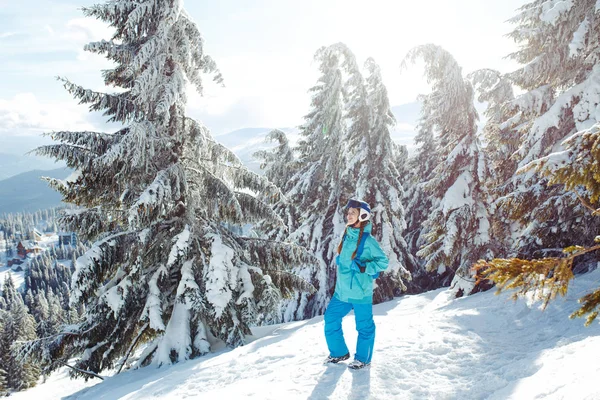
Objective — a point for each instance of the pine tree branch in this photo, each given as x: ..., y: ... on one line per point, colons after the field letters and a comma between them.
x: 584, y: 251
x: 132, y: 347
x: 546, y: 277
x: 90, y: 373
x: 587, y: 205
x: 55, y: 336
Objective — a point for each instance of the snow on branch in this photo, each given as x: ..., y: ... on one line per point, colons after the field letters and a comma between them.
x: 158, y: 198
x: 119, y: 106
x: 74, y: 156
x: 115, y: 51
x: 553, y: 9
x: 153, y: 308
x: 255, y: 210
x: 180, y: 247
x: 269, y: 254
x: 579, y: 36
x: 97, y: 264
x: 88, y: 222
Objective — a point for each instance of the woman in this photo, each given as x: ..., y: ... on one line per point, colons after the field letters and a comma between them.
x: 359, y: 261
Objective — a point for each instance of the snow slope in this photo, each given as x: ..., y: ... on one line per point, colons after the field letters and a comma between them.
x: 428, y: 346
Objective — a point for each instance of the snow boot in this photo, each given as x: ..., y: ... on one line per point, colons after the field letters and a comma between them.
x: 335, y: 360
x: 357, y: 364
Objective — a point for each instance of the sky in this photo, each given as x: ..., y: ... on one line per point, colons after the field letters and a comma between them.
x: 427, y: 346
x: 264, y: 48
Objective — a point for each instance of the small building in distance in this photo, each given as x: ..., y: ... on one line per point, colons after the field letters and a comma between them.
x: 14, y: 261
x: 67, y: 238
x: 37, y: 235
x: 26, y: 247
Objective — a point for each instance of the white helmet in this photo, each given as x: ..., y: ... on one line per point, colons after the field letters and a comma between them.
x: 363, y: 209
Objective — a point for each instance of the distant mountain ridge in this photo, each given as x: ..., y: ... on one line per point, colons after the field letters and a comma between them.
x: 27, y: 192
x: 12, y: 164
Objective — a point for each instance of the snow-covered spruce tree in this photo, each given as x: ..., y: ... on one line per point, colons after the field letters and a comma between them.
x: 314, y: 190
x: 165, y: 277
x: 458, y: 226
x: 418, y: 199
x: 371, y: 173
x: 3, y: 383
x: 496, y: 90
x: 3, y: 356
x: 562, y: 145
x: 502, y: 137
x: 277, y: 163
x: 17, y: 325
x: 559, y: 53
x: 401, y: 161
x: 420, y: 167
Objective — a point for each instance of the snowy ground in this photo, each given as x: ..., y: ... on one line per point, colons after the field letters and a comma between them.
x: 427, y: 347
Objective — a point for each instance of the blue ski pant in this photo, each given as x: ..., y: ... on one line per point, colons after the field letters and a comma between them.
x: 336, y: 310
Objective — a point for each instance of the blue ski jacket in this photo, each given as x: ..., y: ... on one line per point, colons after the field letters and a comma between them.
x: 353, y: 286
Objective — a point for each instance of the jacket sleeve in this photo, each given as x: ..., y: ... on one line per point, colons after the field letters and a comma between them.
x: 377, y: 261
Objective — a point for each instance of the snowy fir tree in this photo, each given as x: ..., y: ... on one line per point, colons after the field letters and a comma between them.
x: 458, y: 226
x: 277, y: 163
x: 164, y: 278
x: 418, y: 200
x: 371, y: 173
x: 314, y: 221
x: 3, y: 357
x: 562, y: 146
x: 559, y: 47
x: 345, y: 152
x: 502, y: 137
x: 401, y: 162
x: 17, y: 325
x: 496, y: 90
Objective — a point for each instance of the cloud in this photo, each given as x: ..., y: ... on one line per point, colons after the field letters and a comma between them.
x: 226, y: 109
x: 24, y: 115
x: 86, y: 30
x: 248, y: 111
x: 24, y: 118
x: 403, y: 126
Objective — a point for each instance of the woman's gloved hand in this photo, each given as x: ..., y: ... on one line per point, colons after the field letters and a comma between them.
x: 357, y: 266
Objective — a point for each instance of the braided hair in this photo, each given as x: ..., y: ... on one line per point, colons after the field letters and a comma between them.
x: 362, y: 229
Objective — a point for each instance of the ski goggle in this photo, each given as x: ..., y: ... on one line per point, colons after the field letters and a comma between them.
x: 352, y: 203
